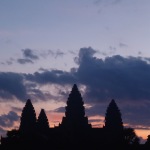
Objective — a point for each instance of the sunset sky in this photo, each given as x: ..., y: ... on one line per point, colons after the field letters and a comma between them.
x: 101, y: 45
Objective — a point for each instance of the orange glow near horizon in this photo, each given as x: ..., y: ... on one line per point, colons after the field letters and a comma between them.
x: 54, y: 118
x: 96, y: 121
x: 142, y: 133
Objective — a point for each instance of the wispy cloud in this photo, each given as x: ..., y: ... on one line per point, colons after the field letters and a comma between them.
x: 52, y: 53
x: 103, y: 4
x: 29, y: 56
x: 123, y: 45
x: 24, y: 61
x: 107, y: 2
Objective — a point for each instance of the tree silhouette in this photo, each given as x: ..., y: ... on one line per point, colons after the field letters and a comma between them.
x: 42, y: 121
x: 28, y: 118
x: 130, y: 136
x: 148, y: 141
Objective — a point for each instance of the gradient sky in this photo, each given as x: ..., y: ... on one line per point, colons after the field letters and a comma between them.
x: 101, y: 45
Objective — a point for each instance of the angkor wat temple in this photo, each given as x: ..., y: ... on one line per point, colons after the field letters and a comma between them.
x: 74, y: 132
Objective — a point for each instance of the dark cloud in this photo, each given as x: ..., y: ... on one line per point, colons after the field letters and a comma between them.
x: 54, y: 76
x: 12, y: 85
x: 84, y: 54
x: 29, y: 54
x: 7, y: 120
x: 114, y: 77
x: 137, y: 115
x: 24, y: 86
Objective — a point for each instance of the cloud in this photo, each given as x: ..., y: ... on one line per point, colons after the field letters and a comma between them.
x: 84, y: 53
x: 122, y: 45
x: 7, y: 120
x: 60, y: 110
x: 107, y: 2
x: 23, y: 86
x: 52, y: 53
x: 59, y: 53
x: 137, y: 115
x: 28, y: 53
x: 24, y: 61
x: 12, y: 85
x: 29, y: 56
x: 16, y: 109
x: 114, y: 77
x: 54, y: 76
x: 103, y: 4
x: 125, y: 79
x: 10, y: 61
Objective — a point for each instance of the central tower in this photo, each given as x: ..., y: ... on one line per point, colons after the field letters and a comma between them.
x: 75, y: 112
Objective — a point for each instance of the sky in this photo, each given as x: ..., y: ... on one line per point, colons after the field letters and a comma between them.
x: 100, y: 45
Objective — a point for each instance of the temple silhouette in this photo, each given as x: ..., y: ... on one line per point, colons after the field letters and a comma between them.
x: 74, y: 132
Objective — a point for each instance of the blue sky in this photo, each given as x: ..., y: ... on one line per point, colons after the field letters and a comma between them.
x: 70, y: 25
x: 46, y: 46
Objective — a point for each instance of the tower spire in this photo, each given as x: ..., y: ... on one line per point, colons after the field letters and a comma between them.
x: 113, y: 124
x: 42, y: 121
x: 75, y: 111
x: 113, y: 118
x: 28, y: 118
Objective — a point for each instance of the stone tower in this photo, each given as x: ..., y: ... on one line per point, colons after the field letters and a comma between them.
x: 75, y: 112
x: 113, y: 125
x: 28, y: 118
x: 113, y: 120
x: 42, y: 122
